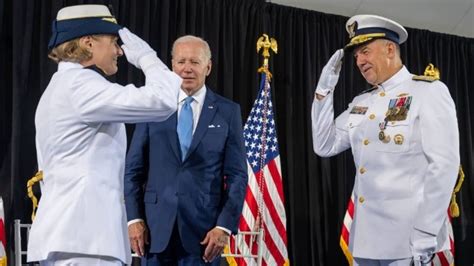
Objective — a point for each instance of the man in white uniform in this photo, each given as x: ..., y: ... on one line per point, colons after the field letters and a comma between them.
x: 81, y: 140
x: 404, y: 138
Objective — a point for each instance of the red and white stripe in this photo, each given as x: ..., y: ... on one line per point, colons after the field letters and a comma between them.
x: 3, y: 239
x: 272, y: 213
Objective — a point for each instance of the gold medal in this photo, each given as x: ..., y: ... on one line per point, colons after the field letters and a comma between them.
x: 398, y: 139
x: 384, y: 138
x: 381, y: 135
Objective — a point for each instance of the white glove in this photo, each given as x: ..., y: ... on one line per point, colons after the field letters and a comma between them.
x: 330, y: 74
x: 137, y: 51
x: 423, y: 246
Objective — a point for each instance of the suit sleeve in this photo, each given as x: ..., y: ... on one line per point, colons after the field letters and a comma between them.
x: 136, y: 169
x: 235, y: 171
x: 440, y: 142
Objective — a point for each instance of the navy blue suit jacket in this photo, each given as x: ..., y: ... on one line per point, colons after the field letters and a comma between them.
x: 204, y: 190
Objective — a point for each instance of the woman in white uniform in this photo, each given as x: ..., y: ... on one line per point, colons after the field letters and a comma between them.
x: 81, y: 139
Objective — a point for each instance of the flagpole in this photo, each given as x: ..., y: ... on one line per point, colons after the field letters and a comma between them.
x: 263, y: 214
x: 264, y: 44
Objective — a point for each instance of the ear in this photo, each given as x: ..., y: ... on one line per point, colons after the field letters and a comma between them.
x: 86, y: 41
x: 209, y: 67
x: 391, y: 49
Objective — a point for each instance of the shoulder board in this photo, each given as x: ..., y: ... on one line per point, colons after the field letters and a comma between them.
x: 368, y: 90
x: 424, y: 78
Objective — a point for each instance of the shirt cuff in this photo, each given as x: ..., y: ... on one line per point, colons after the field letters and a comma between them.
x: 225, y: 230
x: 134, y: 221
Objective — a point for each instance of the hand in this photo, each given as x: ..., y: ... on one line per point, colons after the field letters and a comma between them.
x: 425, y: 261
x: 330, y: 74
x: 137, y: 51
x: 423, y: 246
x: 138, y: 235
x: 216, y: 240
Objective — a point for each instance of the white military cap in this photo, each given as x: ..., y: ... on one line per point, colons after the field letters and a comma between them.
x: 82, y: 20
x: 364, y: 28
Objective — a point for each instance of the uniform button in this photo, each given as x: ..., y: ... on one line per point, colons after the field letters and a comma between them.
x: 362, y: 170
x: 382, y: 94
x: 366, y: 142
x: 361, y: 199
x: 371, y: 116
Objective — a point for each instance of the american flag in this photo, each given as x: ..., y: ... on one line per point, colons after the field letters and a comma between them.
x: 264, y: 202
x: 3, y: 240
x: 442, y: 258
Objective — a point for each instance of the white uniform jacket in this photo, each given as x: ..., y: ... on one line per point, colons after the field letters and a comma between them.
x: 403, y: 183
x: 81, y: 145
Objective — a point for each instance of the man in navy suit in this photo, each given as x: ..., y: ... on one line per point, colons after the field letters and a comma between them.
x: 186, y: 177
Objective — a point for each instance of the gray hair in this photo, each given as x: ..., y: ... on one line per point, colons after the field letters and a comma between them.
x: 192, y: 38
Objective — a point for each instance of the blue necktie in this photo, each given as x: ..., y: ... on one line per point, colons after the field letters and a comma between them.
x: 185, y: 126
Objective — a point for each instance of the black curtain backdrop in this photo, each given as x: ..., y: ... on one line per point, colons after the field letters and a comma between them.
x: 316, y: 189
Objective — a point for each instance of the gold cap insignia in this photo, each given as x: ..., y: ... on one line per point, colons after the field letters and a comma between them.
x: 352, y: 29
x: 110, y: 19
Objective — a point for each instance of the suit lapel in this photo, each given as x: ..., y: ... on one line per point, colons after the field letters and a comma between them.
x: 208, y: 111
x: 173, y: 135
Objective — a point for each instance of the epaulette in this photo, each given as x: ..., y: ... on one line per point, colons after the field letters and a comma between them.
x: 368, y: 90
x: 425, y: 78
x: 431, y: 74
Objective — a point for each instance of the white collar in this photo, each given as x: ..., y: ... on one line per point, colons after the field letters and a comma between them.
x: 396, y: 79
x: 63, y: 65
x: 198, y: 96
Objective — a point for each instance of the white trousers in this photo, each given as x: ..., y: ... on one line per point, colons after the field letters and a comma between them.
x: 74, y: 259
x: 369, y: 262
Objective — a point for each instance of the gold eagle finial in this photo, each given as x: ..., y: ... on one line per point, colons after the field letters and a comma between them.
x: 266, y: 43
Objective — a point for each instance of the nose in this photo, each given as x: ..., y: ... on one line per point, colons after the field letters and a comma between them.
x: 119, y: 51
x: 187, y: 68
x: 360, y: 61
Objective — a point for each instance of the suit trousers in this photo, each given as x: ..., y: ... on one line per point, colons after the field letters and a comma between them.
x: 175, y: 255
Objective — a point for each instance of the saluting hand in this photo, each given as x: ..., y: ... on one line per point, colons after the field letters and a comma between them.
x: 330, y: 74
x: 138, y: 52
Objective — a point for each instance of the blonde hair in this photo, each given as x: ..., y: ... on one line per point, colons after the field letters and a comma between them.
x: 71, y: 51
